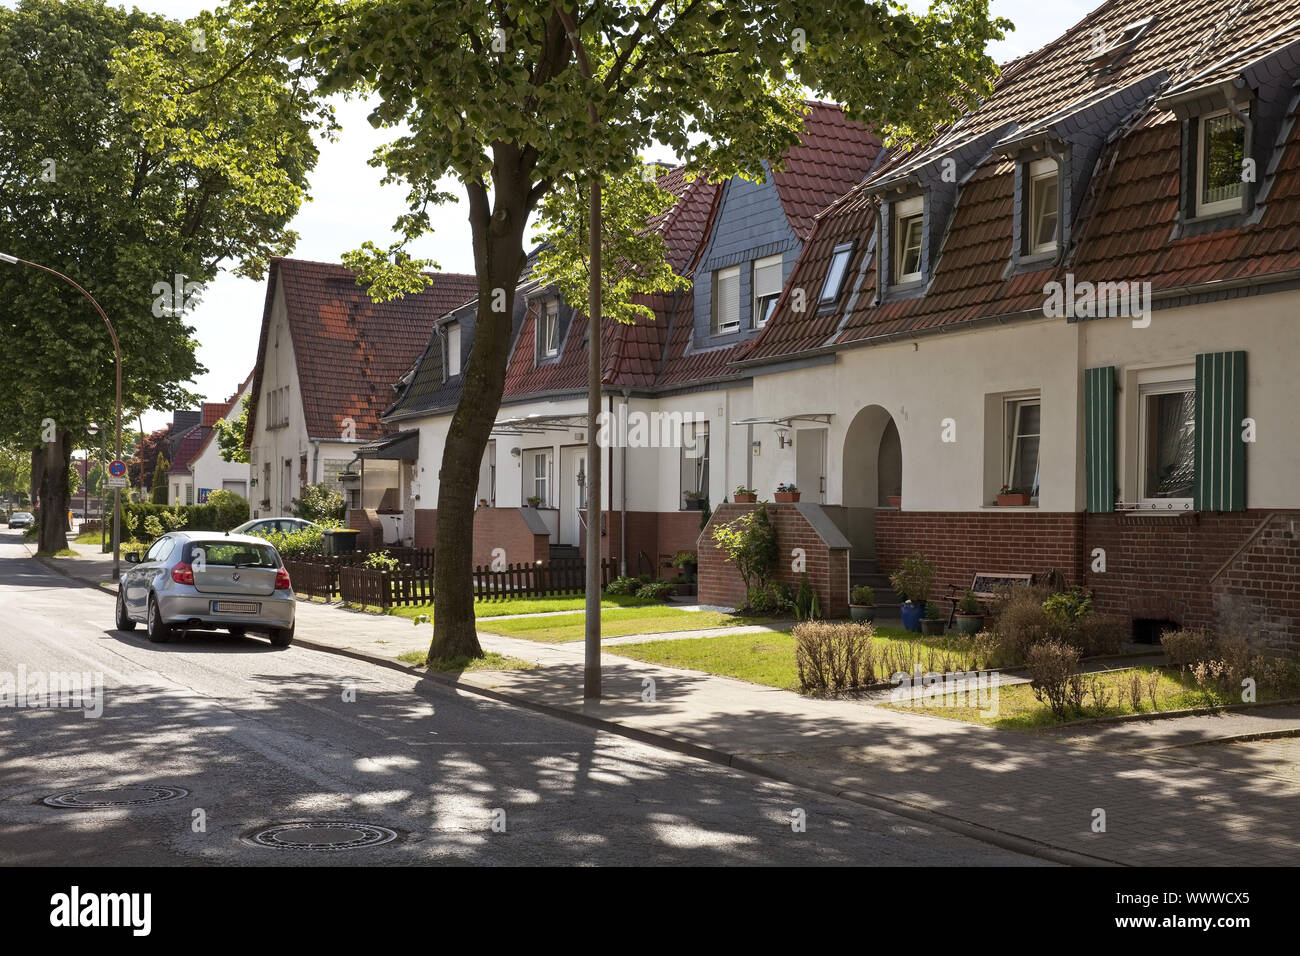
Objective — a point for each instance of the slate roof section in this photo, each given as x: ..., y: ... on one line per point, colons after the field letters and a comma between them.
x: 1125, y: 234
x: 350, y: 350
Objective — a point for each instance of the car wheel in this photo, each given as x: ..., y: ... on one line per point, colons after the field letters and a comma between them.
x: 158, y: 632
x: 124, y: 622
x: 282, y: 636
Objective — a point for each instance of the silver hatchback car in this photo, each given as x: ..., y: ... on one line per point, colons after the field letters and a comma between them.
x: 204, y: 580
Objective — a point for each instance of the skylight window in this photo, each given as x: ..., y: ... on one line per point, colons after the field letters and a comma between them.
x: 835, y: 274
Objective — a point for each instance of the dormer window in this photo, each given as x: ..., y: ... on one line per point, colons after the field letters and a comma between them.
x: 1044, y: 206
x: 835, y: 274
x: 909, y: 217
x: 767, y: 288
x: 548, y: 331
x: 726, y: 300
x: 453, y: 350
x: 1220, y: 153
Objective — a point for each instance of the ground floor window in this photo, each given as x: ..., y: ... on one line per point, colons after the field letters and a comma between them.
x: 1023, y: 430
x: 540, y: 473
x: 1167, y: 442
x: 695, y: 463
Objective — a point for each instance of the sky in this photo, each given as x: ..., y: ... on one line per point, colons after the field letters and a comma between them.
x: 349, y: 206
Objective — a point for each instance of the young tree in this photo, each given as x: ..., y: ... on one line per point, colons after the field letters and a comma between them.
x: 230, y: 436
x: 86, y: 190
x: 493, y: 94
x: 159, y: 493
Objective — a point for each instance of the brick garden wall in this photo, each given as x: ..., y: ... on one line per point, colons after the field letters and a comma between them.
x: 493, y: 528
x: 659, y: 534
x: 1257, y: 592
x: 828, y: 568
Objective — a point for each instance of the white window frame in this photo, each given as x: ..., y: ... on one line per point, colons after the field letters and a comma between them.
x: 835, y: 274
x: 548, y: 330
x: 1011, y: 408
x: 1145, y: 391
x: 759, y: 313
x: 1041, y: 172
x: 532, y: 487
x: 695, y: 447
x: 453, y: 349
x: 1220, y: 206
x: 907, y: 212
x: 730, y: 273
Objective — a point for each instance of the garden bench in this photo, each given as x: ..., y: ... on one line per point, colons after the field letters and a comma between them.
x: 985, y: 586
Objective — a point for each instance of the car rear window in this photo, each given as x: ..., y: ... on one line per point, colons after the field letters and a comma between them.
x: 234, y: 554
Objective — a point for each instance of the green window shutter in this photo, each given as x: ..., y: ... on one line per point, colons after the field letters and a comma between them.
x: 1220, y: 452
x: 1099, y: 437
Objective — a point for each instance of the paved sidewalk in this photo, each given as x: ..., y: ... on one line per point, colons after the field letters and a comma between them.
x: 1009, y: 785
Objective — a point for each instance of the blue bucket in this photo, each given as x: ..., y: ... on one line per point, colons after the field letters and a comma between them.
x: 912, y: 613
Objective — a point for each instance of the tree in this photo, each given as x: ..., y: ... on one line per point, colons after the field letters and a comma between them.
x: 141, y: 466
x: 159, y: 494
x: 124, y: 204
x: 319, y: 503
x: 230, y: 436
x: 490, y: 93
x: 15, y: 472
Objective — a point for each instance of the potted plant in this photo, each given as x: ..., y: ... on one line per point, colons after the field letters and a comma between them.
x: 694, y: 500
x: 786, y: 491
x: 895, y: 501
x: 483, y: 503
x: 534, y: 501
x: 933, y: 624
x: 912, y: 580
x: 1013, y: 496
x: 688, y: 562
x: 744, y: 496
x: 862, y: 603
x: 970, y: 618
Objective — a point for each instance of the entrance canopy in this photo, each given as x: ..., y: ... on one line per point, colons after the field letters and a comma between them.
x: 536, y: 424
x: 823, y: 418
x: 404, y: 446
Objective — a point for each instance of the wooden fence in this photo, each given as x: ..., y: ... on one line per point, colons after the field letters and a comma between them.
x: 537, y: 580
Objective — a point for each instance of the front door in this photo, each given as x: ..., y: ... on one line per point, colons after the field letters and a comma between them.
x: 810, y: 464
x: 573, y: 494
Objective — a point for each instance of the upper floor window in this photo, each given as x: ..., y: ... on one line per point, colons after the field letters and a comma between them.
x: 726, y: 300
x: 909, y: 217
x: 1220, y: 153
x: 835, y: 274
x: 548, y: 331
x: 767, y: 288
x: 453, y: 349
x: 1044, y: 206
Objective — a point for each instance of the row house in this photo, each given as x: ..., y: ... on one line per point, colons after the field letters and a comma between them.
x: 671, y: 392
x: 327, y: 358
x: 208, y: 470
x: 1086, y: 291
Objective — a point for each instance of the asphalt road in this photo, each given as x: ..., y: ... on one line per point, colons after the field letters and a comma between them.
x: 260, y: 736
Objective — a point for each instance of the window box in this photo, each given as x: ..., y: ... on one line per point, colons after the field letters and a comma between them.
x: 1013, y: 500
x: 786, y: 493
x: 895, y: 501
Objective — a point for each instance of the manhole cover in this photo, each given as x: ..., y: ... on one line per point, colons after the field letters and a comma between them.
x: 322, y: 836
x: 114, y: 798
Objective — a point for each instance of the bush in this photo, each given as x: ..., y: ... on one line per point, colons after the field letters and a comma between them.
x: 303, y: 543
x: 319, y: 503
x: 772, y: 598
x: 1055, y: 678
x: 862, y: 595
x: 232, y: 509
x: 1068, y: 606
x: 1187, y: 646
x: 806, y: 605
x: 627, y: 585
x: 913, y: 578
x: 207, y: 517
x: 833, y: 657
x: 750, y: 544
x: 656, y: 590
x: 1098, y: 634
x: 380, y: 561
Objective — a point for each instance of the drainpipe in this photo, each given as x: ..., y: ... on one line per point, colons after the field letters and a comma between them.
x: 622, y: 495
x: 315, y: 460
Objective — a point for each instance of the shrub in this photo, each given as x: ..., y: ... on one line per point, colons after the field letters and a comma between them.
x: 1054, y: 676
x: 770, y: 599
x: 1133, y: 690
x: 750, y: 544
x: 969, y: 603
x: 833, y: 657
x: 232, y: 509
x: 319, y: 503
x: 656, y: 590
x: 683, y: 558
x: 303, y: 543
x: 1098, y: 634
x: 1187, y: 646
x: 913, y: 578
x: 806, y: 605
x: 1068, y: 606
x: 380, y: 561
x: 207, y: 517
x: 862, y: 595
x: 627, y: 585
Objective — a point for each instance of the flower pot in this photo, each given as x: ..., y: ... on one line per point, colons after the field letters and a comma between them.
x: 1020, y: 500
x: 862, y: 612
x: 895, y: 501
x: 744, y: 499
x: 969, y: 623
x: 933, y: 628
x: 911, y: 612
x: 786, y: 496
x: 688, y: 573
x: 694, y: 504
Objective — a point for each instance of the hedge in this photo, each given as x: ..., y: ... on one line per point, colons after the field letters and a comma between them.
x: 201, y: 518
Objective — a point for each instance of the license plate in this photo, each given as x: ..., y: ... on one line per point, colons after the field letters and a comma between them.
x: 235, y: 607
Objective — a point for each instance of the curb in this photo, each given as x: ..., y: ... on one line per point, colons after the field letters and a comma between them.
x: 674, y: 744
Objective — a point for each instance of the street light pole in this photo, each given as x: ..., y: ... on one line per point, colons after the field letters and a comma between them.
x: 117, y: 357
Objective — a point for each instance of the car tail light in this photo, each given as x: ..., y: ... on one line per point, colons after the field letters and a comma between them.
x: 281, y: 580
x: 183, y: 573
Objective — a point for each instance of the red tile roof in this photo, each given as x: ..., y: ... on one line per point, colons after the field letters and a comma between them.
x: 188, y: 450
x: 1126, y: 235
x: 832, y: 156
x: 350, y: 350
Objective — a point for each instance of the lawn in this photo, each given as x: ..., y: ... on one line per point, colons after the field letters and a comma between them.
x: 615, y: 623
x: 570, y: 602
x: 1018, y: 709
x: 768, y: 658
x: 488, y: 662
x: 89, y: 537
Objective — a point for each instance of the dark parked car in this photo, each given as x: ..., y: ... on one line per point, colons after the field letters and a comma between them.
x: 22, y: 519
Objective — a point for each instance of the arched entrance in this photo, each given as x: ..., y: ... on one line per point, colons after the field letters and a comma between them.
x: 873, y: 472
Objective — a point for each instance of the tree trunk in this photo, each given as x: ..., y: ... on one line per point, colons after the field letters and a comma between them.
x: 55, y: 457
x: 498, y: 263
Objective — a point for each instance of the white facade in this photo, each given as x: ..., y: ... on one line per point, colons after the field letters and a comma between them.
x: 212, y: 472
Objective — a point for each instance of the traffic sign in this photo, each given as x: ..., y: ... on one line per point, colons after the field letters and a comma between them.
x: 117, y: 468
x: 116, y: 481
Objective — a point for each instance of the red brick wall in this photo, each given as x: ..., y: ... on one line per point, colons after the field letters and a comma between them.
x: 367, y: 522
x: 961, y: 543
x: 828, y: 569
x: 1257, y: 591
x: 493, y: 528
x: 659, y: 534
